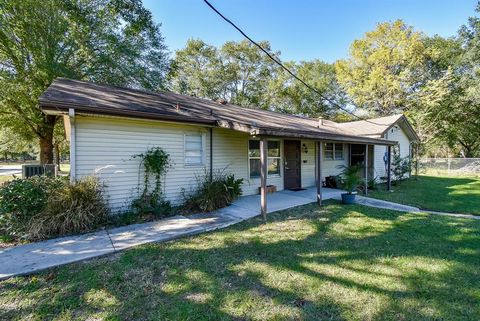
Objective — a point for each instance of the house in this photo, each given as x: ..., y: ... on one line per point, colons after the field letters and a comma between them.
x: 107, y: 125
x: 396, y: 128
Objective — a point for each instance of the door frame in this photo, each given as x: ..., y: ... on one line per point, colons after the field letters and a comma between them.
x: 299, y: 162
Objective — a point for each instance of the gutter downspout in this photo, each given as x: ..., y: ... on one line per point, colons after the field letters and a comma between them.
x: 211, y: 154
x: 71, y: 116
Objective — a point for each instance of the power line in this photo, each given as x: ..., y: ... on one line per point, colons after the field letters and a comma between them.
x: 278, y: 62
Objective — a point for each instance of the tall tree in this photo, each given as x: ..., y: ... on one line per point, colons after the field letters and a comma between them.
x: 237, y: 72
x: 248, y: 72
x: 197, y: 70
x: 385, y: 69
x: 450, y: 100
x: 291, y: 96
x: 105, y: 41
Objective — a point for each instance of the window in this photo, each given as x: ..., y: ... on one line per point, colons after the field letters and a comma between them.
x: 333, y: 151
x: 194, y: 149
x: 273, y: 155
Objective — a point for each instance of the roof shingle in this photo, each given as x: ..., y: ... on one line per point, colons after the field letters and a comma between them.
x: 88, y: 97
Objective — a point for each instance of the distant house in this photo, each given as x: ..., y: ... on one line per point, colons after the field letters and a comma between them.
x: 106, y: 125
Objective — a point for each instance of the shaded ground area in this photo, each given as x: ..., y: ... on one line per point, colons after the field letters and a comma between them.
x: 443, y: 194
x: 306, y: 263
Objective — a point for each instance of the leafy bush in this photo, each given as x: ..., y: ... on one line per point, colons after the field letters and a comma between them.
x: 148, y: 204
x: 211, y: 194
x: 71, y: 208
x: 21, y: 199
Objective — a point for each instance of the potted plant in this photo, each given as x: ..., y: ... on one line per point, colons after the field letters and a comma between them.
x: 351, y: 181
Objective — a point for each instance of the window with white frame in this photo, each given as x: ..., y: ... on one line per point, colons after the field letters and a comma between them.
x: 333, y: 151
x: 194, y: 149
x: 273, y: 155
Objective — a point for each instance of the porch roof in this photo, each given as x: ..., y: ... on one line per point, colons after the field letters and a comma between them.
x: 90, y: 98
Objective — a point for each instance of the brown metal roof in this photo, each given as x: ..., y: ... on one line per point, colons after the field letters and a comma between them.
x: 86, y: 97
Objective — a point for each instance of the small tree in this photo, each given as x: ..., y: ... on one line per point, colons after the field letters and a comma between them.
x: 400, y: 166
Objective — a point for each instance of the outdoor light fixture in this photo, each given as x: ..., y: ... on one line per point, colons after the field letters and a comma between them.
x: 305, y: 148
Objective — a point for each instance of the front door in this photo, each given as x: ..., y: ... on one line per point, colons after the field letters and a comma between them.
x: 291, y: 151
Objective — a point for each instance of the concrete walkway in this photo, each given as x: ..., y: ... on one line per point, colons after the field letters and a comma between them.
x: 33, y: 257
x: 373, y: 202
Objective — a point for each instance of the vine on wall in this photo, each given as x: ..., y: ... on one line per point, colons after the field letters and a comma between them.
x: 156, y: 162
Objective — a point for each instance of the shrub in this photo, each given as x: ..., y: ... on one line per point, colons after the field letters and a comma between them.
x: 21, y: 199
x: 71, y: 208
x: 211, y: 194
x: 156, y: 206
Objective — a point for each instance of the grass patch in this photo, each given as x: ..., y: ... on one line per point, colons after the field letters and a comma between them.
x: 6, y: 178
x: 306, y: 263
x: 445, y: 194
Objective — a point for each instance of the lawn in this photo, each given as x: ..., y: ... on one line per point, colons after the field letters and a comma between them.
x: 437, y: 193
x: 337, y: 263
x: 5, y: 178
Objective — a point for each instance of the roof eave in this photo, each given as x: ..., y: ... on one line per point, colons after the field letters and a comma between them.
x: 55, y: 108
x: 323, y: 136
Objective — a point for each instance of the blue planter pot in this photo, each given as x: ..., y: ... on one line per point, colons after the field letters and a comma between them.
x: 348, y: 198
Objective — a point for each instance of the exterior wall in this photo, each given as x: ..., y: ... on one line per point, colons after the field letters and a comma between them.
x: 105, y: 146
x: 230, y: 152
x: 378, y: 162
x: 395, y: 134
x: 329, y: 167
x: 308, y: 163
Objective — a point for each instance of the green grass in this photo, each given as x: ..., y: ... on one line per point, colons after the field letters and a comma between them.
x: 5, y: 178
x: 337, y: 263
x: 445, y: 194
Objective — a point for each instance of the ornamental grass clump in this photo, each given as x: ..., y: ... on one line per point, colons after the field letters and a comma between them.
x: 71, y: 208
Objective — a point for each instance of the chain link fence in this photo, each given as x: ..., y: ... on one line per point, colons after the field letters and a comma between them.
x: 450, y: 166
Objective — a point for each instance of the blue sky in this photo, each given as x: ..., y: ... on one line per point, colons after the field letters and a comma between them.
x: 303, y: 30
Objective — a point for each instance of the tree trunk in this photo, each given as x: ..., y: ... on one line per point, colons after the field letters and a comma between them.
x: 46, y: 150
x: 46, y: 139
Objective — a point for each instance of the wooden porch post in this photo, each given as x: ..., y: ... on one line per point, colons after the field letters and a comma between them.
x: 366, y: 169
x: 319, y: 172
x: 263, y: 176
x: 389, y: 168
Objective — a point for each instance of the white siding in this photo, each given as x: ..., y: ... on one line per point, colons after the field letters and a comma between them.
x: 308, y: 163
x: 395, y: 134
x: 329, y: 167
x: 105, y: 147
x: 378, y: 162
